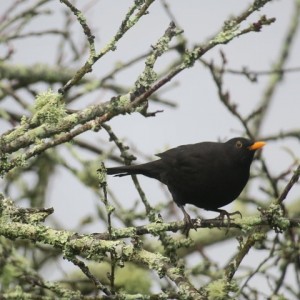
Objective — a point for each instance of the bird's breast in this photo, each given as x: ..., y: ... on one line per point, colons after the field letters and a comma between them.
x: 206, y: 185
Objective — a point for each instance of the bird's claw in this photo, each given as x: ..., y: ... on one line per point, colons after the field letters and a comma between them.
x: 224, y: 213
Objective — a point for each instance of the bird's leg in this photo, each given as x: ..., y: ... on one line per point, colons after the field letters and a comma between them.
x: 224, y: 213
x: 187, y: 221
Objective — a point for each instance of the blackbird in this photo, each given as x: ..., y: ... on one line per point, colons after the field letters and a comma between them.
x: 208, y: 175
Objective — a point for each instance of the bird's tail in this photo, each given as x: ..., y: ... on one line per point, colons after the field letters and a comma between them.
x: 150, y: 169
x: 122, y: 171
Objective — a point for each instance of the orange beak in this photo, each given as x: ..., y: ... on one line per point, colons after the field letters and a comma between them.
x: 256, y: 145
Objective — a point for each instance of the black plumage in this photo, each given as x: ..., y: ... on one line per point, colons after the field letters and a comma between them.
x: 208, y: 175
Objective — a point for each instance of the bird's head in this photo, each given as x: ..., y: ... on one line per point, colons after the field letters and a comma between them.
x: 242, y: 150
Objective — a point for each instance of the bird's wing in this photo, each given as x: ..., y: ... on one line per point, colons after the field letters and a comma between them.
x: 189, y: 160
x: 189, y: 171
x: 185, y: 151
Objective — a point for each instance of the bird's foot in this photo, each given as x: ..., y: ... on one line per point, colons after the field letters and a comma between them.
x: 188, y: 224
x: 224, y: 213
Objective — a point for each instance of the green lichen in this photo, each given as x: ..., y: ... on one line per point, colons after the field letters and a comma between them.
x: 154, y: 261
x: 48, y: 108
x: 229, y: 31
x: 248, y: 223
x: 101, y: 174
x: 146, y: 79
x: 129, y: 231
x: 24, y: 120
x: 155, y: 228
x: 225, y: 36
x: 275, y: 216
x: 163, y: 44
x: 120, y: 103
x: 18, y: 132
x: 189, y: 58
x: 220, y: 289
x: 230, y: 25
x: 6, y: 164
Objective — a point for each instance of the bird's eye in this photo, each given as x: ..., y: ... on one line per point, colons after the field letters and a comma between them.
x: 239, y: 144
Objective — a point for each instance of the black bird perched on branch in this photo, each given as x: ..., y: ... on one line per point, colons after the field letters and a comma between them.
x: 208, y: 175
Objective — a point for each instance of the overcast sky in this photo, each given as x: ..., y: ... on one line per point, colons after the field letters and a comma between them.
x: 200, y: 116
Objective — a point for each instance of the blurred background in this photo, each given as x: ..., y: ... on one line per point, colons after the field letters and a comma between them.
x: 191, y: 110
